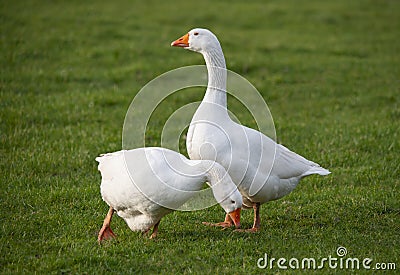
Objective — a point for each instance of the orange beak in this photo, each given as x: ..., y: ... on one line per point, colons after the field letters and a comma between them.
x: 181, y: 42
x: 235, y: 216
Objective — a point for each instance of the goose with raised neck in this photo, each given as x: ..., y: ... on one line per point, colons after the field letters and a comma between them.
x: 262, y: 169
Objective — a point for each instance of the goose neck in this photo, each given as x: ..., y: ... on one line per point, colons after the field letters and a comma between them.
x: 216, y: 68
x: 214, y: 172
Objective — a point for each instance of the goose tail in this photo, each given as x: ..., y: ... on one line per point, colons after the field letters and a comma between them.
x: 316, y: 170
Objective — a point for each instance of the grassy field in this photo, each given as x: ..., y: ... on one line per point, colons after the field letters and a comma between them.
x: 329, y: 71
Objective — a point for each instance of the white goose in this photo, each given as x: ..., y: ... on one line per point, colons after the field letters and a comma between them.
x: 262, y: 169
x: 143, y: 185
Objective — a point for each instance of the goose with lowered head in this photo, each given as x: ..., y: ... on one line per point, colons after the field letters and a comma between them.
x: 262, y: 169
x: 145, y: 184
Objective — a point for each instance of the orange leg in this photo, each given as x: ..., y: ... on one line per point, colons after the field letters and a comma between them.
x: 155, y: 230
x: 105, y: 231
x: 225, y: 224
x: 257, y: 220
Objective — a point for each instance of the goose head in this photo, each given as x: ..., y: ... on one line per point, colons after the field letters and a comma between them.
x: 198, y: 40
x: 230, y: 199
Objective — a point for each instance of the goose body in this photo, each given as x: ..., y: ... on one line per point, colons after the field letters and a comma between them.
x: 145, y: 184
x: 262, y: 169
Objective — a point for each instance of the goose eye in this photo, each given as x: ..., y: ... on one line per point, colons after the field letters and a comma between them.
x: 232, y: 201
x: 196, y: 33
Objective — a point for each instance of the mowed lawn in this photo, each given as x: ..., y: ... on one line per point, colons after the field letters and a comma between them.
x: 328, y: 70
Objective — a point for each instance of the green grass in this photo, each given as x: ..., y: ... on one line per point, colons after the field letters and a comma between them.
x: 329, y: 71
